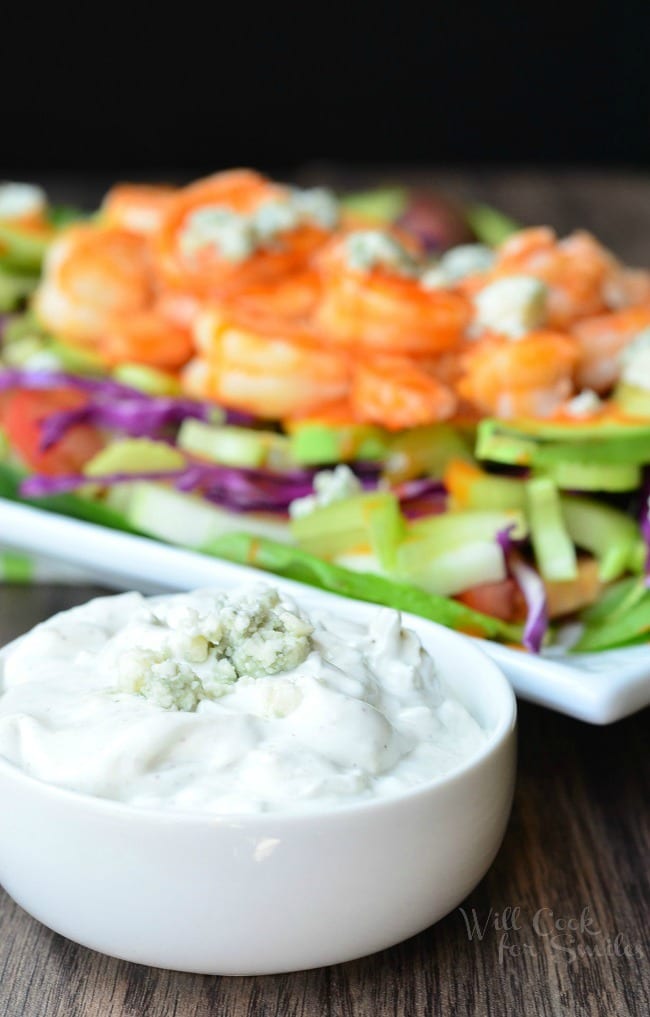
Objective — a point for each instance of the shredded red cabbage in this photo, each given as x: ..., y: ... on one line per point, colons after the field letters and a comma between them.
x: 113, y: 406
x: 38, y: 486
x: 422, y: 497
x: 532, y: 588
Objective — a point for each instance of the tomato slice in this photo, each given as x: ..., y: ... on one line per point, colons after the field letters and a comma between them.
x: 21, y: 418
x: 500, y: 600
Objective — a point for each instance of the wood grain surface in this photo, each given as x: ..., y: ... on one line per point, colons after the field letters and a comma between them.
x: 560, y: 923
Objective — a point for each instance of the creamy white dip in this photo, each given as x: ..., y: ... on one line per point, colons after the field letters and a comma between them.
x: 359, y: 712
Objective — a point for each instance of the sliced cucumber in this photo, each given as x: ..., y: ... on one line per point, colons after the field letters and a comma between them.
x: 191, y: 522
x: 554, y: 551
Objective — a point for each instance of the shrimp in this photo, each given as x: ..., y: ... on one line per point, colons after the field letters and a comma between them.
x: 530, y: 377
x: 385, y: 311
x: 576, y: 270
x: 89, y: 274
x: 212, y: 213
x: 396, y: 393
x: 274, y: 374
x: 601, y: 340
x: 98, y: 291
x: 137, y: 208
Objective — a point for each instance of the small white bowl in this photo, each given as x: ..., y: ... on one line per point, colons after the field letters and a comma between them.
x: 264, y: 894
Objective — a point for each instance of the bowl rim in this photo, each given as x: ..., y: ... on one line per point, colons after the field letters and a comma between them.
x: 497, y: 736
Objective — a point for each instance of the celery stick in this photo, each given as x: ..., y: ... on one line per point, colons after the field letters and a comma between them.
x: 488, y: 493
x: 554, y: 552
x: 600, y: 476
x: 293, y: 563
x: 336, y: 528
x: 610, y: 535
x: 425, y: 450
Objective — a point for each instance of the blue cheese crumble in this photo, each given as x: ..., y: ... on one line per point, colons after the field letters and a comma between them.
x: 235, y: 236
x: 194, y: 647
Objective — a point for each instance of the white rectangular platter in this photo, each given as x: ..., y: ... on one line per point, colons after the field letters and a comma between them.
x: 598, y: 688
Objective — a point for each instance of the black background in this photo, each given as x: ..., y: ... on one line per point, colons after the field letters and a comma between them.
x: 89, y: 89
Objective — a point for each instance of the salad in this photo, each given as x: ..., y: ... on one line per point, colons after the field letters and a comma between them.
x: 377, y: 394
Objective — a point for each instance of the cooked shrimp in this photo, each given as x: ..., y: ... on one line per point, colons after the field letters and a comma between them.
x: 385, y: 311
x: 530, y: 377
x: 273, y: 374
x: 98, y: 290
x: 144, y: 338
x: 207, y: 244
x: 576, y: 270
x: 138, y: 208
x: 395, y: 392
x: 601, y: 340
x: 89, y: 275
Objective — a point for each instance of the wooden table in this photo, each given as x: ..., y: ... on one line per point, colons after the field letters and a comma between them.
x: 560, y: 923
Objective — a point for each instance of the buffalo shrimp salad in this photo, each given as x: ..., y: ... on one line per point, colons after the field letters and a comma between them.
x: 229, y: 702
x: 381, y: 394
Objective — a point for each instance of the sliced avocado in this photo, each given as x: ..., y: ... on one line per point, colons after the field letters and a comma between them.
x: 235, y: 446
x: 316, y: 444
x: 135, y: 455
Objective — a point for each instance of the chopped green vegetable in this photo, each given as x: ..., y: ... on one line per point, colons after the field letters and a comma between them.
x: 385, y: 204
x: 454, y: 570
x: 147, y: 379
x: 21, y: 251
x: 489, y: 225
x: 632, y: 399
x: 625, y: 628
x: 187, y: 520
x: 135, y: 455
x: 14, y: 289
x: 357, y: 521
x: 610, y: 535
x: 316, y: 444
x: 579, y: 476
x: 424, y: 450
x: 234, y: 446
x: 554, y: 552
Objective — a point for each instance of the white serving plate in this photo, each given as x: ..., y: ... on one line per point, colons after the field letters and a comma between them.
x: 595, y: 687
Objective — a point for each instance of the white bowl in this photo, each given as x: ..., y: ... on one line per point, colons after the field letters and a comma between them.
x: 262, y: 894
